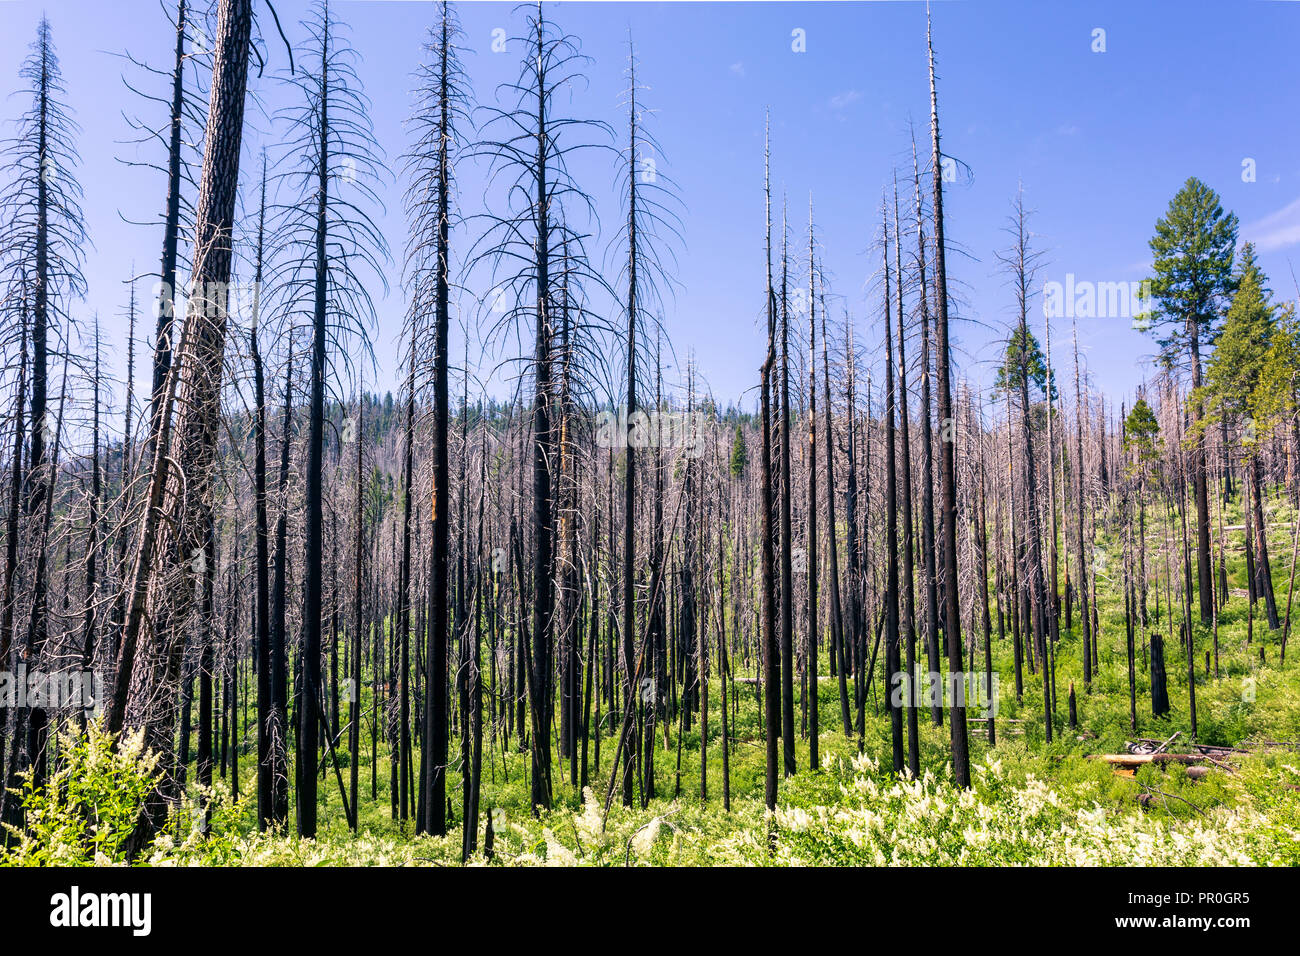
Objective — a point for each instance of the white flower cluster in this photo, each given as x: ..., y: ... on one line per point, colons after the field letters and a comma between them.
x: 929, y: 822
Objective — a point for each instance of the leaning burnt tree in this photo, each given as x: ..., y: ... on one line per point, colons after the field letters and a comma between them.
x: 185, y: 432
x: 185, y: 120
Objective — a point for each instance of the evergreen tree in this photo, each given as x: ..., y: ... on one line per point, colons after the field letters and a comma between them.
x: 1023, y: 352
x: 739, y: 453
x: 1141, y: 435
x: 1234, y: 371
x: 1232, y: 393
x: 1193, y: 248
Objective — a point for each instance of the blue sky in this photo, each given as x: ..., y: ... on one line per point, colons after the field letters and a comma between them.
x: 1101, y: 141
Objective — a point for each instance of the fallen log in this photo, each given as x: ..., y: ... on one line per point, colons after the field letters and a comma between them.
x: 1136, y: 760
x: 1127, y: 764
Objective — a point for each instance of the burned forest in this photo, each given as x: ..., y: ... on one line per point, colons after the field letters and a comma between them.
x: 495, y: 465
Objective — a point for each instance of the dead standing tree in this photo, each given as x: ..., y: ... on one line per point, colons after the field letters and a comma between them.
x: 814, y: 718
x: 771, y: 664
x: 927, y: 448
x: 330, y: 246
x: 645, y: 251
x: 892, y: 665
x: 908, y: 624
x: 441, y: 111
x: 528, y: 146
x: 948, y: 482
x: 1024, y: 362
x: 40, y: 267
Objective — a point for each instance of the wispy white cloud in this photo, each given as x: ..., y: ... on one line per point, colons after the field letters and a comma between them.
x: 1276, y: 230
x: 738, y: 68
x: 844, y: 100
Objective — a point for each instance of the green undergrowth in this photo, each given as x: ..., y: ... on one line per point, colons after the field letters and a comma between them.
x: 1033, y: 801
x: 1024, y: 807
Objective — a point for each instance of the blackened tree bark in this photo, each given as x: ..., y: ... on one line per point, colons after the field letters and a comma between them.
x: 440, y: 106
x: 196, y: 427
x: 786, y: 541
x: 771, y: 664
x: 927, y: 450
x: 948, y: 468
x: 838, y: 635
x: 261, y: 560
x: 814, y: 722
x: 908, y: 624
x: 1082, y: 562
x: 896, y: 686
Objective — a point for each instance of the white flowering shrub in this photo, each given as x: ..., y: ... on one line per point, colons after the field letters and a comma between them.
x: 863, y: 816
x: 89, y: 804
x: 1003, y: 821
x: 1023, y: 809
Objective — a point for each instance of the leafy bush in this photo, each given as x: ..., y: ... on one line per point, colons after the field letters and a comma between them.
x: 90, y: 803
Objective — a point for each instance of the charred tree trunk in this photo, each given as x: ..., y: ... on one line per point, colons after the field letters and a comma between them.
x: 948, y: 467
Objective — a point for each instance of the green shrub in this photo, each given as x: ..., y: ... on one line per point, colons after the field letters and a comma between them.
x: 90, y: 803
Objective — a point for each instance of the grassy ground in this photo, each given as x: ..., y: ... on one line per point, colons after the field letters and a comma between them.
x: 1032, y: 801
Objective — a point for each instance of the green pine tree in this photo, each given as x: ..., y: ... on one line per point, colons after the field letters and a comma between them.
x: 1238, y: 371
x: 1193, y: 248
x: 739, y: 454
x: 1142, y: 435
x: 1023, y: 349
x: 1193, y: 251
